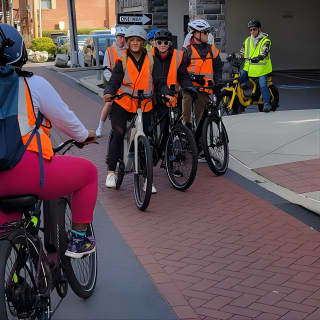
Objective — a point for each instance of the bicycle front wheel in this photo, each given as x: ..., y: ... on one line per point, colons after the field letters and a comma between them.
x: 181, y: 158
x: 22, y: 279
x: 81, y: 273
x: 143, y: 177
x: 215, y: 146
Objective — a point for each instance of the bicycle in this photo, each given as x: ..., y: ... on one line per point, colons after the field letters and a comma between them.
x: 235, y: 97
x: 176, y: 147
x: 210, y: 133
x: 136, y: 155
x: 32, y: 265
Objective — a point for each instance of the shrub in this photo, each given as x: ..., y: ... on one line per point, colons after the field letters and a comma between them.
x: 47, y: 33
x: 43, y: 44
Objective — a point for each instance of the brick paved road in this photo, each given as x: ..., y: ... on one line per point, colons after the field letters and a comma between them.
x: 215, y: 251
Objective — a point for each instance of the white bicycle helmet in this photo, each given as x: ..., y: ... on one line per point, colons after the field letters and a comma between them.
x: 121, y: 31
x: 136, y: 31
x: 198, y: 25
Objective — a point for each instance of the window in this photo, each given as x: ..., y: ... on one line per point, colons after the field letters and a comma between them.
x: 46, y: 4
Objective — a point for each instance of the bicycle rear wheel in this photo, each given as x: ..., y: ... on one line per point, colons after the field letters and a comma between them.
x: 81, y: 273
x: 20, y: 285
x: 144, y: 177
x: 119, y: 173
x: 215, y: 146
x: 181, y: 158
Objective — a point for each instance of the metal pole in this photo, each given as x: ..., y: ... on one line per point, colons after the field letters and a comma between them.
x: 40, y: 19
x: 4, y: 10
x: 73, y: 33
x: 11, y: 13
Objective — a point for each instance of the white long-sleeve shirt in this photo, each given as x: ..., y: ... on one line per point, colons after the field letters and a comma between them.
x: 46, y: 99
x: 106, y: 60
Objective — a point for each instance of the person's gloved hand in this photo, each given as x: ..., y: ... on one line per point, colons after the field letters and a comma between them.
x: 165, y: 91
x: 256, y: 59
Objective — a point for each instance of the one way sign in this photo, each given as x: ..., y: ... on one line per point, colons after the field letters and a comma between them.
x: 135, y: 18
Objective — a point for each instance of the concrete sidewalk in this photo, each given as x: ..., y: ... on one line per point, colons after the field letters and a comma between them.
x: 280, y: 150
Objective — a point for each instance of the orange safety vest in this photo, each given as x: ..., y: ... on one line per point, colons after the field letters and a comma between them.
x: 174, y: 66
x: 114, y: 54
x: 27, y: 122
x: 202, y: 66
x: 133, y: 81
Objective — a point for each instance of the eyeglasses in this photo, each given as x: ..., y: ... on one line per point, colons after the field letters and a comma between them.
x: 253, y: 29
x: 160, y: 42
x: 205, y: 32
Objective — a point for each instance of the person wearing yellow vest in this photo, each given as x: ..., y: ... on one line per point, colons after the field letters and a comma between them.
x: 64, y: 175
x: 170, y: 68
x: 151, y: 40
x: 110, y: 57
x: 131, y: 73
x: 257, y: 47
x: 203, y: 59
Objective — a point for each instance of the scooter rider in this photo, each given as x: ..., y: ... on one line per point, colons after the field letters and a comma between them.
x: 257, y: 47
x: 202, y: 59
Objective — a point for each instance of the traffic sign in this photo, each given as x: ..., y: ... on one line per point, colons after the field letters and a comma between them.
x: 135, y: 18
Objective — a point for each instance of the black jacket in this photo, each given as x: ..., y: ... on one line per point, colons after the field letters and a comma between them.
x: 161, y: 70
x: 203, y: 49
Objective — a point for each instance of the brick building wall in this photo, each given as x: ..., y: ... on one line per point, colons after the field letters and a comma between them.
x: 90, y: 14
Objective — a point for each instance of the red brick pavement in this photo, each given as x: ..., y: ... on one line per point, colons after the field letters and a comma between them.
x: 300, y: 176
x: 215, y: 251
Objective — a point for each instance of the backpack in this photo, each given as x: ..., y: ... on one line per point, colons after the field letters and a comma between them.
x: 11, y: 145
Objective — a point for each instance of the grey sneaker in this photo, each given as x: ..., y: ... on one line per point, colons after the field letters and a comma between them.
x: 266, y: 107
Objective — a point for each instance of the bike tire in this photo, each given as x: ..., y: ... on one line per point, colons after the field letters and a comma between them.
x: 82, y: 283
x: 213, y: 140
x: 181, y: 148
x: 142, y: 192
x: 18, y: 295
x: 275, y: 102
x: 119, y: 173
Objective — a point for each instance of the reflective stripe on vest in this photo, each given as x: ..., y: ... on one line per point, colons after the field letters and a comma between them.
x: 133, y: 81
x: 260, y: 68
x: 114, y: 52
x: 202, y: 66
x: 173, y: 69
x: 27, y: 121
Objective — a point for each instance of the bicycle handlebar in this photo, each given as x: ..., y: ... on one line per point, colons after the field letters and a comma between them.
x: 138, y: 97
x: 70, y: 143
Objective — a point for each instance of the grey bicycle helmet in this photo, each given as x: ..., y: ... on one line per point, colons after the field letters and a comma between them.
x: 254, y: 24
x: 198, y: 25
x: 136, y: 31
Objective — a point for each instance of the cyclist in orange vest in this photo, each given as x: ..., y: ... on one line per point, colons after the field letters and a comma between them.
x: 131, y: 73
x: 170, y: 68
x: 203, y: 59
x: 63, y: 175
x: 110, y: 57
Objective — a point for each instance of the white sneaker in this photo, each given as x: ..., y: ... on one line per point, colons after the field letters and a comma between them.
x: 99, y: 132
x: 111, y: 181
x: 153, y: 189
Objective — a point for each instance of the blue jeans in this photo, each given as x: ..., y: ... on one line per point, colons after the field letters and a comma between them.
x: 262, y: 83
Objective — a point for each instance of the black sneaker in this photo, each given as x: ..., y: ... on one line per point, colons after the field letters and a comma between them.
x: 80, y: 246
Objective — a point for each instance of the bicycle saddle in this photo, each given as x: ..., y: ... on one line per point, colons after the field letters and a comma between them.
x: 16, y: 203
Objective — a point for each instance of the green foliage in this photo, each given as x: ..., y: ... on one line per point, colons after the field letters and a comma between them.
x: 64, y: 48
x: 43, y: 44
x: 47, y: 33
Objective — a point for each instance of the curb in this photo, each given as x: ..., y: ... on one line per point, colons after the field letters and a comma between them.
x: 291, y: 196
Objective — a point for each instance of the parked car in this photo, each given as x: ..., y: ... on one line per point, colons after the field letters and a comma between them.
x: 63, y: 43
x: 100, y: 32
x: 89, y: 49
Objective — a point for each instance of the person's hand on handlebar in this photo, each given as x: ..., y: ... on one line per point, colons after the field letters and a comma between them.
x: 91, y: 137
x: 107, y: 97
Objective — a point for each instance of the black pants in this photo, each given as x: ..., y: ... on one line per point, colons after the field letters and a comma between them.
x: 119, y: 117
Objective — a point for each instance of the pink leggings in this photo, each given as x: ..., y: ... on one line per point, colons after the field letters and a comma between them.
x: 63, y: 175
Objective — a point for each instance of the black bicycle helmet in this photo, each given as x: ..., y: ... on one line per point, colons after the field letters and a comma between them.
x: 163, y: 34
x: 15, y: 53
x: 254, y: 24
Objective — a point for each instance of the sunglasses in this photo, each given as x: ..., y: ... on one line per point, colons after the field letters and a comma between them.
x: 160, y: 42
x: 205, y: 32
x: 253, y: 29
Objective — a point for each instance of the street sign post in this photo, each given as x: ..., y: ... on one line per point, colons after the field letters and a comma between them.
x: 135, y: 18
